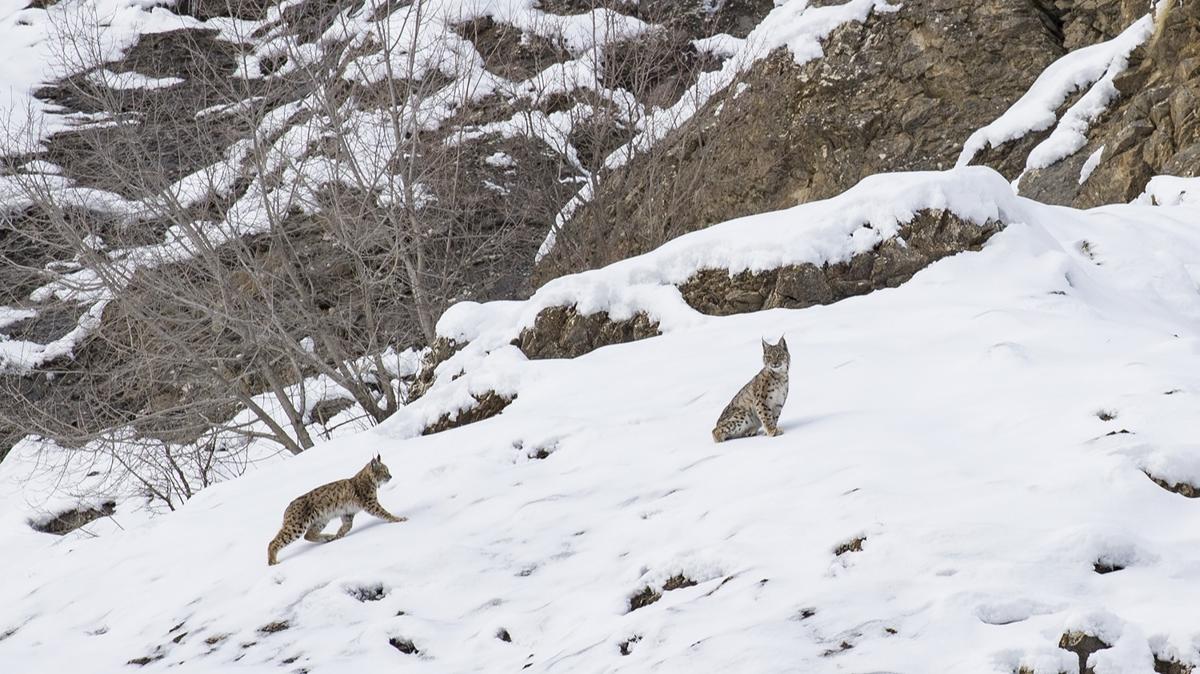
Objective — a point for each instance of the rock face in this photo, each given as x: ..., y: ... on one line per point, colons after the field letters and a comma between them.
x: 440, y: 351
x: 70, y: 520
x: 1082, y: 645
x: 1181, y: 488
x: 930, y: 236
x: 486, y: 406
x: 1085, y: 22
x: 900, y: 92
x: 1151, y: 129
x: 562, y: 332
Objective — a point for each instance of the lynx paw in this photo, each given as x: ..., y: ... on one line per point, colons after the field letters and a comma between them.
x: 774, y: 432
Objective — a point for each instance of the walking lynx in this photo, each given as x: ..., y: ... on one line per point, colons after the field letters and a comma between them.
x: 760, y: 401
x: 309, y: 513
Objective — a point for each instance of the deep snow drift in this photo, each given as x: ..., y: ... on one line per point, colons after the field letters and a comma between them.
x: 967, y: 424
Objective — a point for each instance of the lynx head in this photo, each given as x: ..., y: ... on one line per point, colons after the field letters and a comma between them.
x: 775, y: 356
x: 379, y: 473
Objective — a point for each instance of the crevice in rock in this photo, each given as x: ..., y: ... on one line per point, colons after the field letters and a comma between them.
x: 1050, y: 16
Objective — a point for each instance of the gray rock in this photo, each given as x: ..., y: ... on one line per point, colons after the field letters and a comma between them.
x: 930, y: 236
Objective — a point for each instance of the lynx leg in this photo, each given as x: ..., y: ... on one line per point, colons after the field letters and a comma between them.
x: 314, y: 534
x: 285, y: 536
x: 767, y: 419
x: 347, y: 522
x: 736, y: 425
x: 374, y: 508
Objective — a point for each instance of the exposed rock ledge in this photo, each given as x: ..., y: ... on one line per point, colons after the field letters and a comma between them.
x: 562, y: 332
x: 927, y: 238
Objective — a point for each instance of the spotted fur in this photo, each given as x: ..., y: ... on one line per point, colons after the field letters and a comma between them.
x: 308, y: 514
x: 759, y: 403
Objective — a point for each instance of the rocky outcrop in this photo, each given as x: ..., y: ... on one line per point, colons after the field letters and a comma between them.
x: 899, y: 92
x: 70, y: 520
x: 930, y: 236
x: 1181, y: 488
x: 438, y: 353
x: 1168, y: 666
x: 1082, y: 645
x: 486, y: 406
x: 562, y: 332
x: 1152, y: 127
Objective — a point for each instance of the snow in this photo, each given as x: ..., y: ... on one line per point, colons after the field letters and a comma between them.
x: 500, y: 160
x: 1171, y: 191
x: 8, y: 315
x: 1090, y: 164
x: 132, y: 80
x: 20, y: 356
x: 952, y: 421
x: 1095, y: 67
x: 723, y: 45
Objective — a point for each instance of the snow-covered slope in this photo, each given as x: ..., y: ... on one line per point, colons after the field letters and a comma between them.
x: 966, y: 425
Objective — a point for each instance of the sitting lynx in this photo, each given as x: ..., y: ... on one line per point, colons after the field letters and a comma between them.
x: 760, y: 401
x: 310, y: 513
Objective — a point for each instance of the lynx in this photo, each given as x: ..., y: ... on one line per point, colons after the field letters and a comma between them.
x: 309, y: 513
x: 760, y: 401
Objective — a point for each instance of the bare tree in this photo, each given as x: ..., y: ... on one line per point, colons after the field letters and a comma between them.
x: 290, y: 216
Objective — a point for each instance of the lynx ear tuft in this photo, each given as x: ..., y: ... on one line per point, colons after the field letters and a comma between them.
x: 782, y: 342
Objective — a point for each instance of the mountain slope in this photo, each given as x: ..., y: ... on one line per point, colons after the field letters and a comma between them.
x: 967, y: 426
